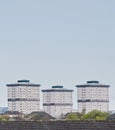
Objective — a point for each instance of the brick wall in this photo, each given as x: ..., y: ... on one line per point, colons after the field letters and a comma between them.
x: 58, y: 125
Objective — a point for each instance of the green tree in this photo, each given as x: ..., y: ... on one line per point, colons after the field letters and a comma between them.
x: 4, y: 118
x: 72, y: 116
x: 95, y: 115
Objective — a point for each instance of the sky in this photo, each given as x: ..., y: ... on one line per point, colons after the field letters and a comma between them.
x: 59, y: 42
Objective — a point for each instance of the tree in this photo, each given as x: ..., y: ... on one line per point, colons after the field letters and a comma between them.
x: 71, y: 116
x: 95, y: 115
x: 4, y: 118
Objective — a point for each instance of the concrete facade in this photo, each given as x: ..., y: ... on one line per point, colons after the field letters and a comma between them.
x: 92, y: 95
x: 23, y: 97
x: 57, y: 101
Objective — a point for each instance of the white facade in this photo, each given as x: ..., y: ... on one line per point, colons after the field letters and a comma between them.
x: 57, y: 101
x: 23, y: 97
x: 93, y: 95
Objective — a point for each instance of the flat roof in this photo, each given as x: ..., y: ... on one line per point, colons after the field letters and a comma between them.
x: 93, y: 83
x: 23, y: 83
x: 57, y: 88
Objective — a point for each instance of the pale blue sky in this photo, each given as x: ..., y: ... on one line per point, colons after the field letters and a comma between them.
x: 65, y: 42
